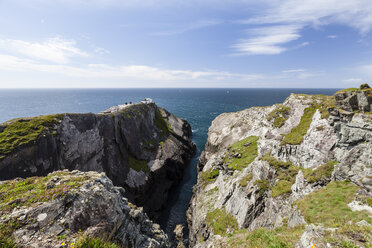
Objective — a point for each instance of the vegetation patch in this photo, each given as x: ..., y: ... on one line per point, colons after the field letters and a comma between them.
x: 209, y: 176
x: 137, y: 164
x: 30, y: 191
x: 322, y: 172
x: 263, y: 185
x: 19, y: 132
x: 242, y: 153
x: 279, y: 115
x: 277, y: 238
x: 244, y: 181
x: 328, y: 205
x: 86, y: 242
x: 162, y: 124
x: 6, y: 232
x: 296, y: 135
x: 221, y: 222
x: 282, y: 187
x: 349, y: 236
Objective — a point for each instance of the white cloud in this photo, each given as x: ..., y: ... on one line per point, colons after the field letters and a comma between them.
x: 268, y: 40
x: 56, y: 50
x: 306, y: 13
x: 353, y: 80
x: 133, y: 72
x: 183, y: 28
x: 332, y: 36
x: 294, y: 71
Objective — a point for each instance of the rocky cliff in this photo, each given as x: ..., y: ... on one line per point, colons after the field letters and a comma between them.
x: 140, y: 147
x: 297, y: 174
x: 73, y: 209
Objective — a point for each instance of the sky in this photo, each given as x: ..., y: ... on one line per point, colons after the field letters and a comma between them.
x: 181, y: 44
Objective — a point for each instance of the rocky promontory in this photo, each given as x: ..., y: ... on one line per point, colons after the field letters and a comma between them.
x: 140, y: 147
x: 75, y: 210
x: 296, y: 174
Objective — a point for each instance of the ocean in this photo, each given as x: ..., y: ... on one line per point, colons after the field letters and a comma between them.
x: 198, y: 106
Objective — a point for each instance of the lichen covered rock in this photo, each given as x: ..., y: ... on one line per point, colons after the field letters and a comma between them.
x: 56, y: 210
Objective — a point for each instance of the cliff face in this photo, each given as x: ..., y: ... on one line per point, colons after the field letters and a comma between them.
x: 275, y: 176
x: 70, y: 209
x: 141, y: 147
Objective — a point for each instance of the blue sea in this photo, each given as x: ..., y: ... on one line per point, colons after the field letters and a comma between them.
x: 198, y: 106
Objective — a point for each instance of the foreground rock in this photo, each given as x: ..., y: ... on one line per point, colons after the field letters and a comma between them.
x: 140, y: 147
x: 283, y: 176
x: 63, y: 207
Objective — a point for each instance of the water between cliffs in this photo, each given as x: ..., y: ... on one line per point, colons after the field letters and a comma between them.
x: 198, y: 106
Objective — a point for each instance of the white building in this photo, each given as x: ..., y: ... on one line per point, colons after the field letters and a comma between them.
x: 147, y: 101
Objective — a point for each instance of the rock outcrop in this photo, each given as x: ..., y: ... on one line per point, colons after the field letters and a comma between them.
x: 281, y: 176
x: 64, y: 208
x: 140, y: 147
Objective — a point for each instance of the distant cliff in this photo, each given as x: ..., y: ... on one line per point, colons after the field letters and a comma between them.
x: 297, y: 174
x: 140, y: 147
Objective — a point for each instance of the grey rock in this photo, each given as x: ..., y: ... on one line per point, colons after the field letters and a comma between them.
x: 105, y: 143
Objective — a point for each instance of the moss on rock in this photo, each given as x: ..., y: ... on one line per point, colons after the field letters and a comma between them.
x: 221, y: 222
x: 19, y: 132
x: 279, y: 115
x: 137, y: 164
x: 242, y: 153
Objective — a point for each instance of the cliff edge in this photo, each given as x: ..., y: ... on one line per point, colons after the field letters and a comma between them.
x: 296, y: 174
x: 140, y: 147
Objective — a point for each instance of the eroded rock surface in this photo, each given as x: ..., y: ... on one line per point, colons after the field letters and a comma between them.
x: 288, y: 156
x: 141, y: 147
x: 64, y: 206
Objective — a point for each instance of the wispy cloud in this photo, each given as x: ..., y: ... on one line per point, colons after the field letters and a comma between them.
x: 332, y: 36
x: 183, y: 28
x: 307, y: 13
x: 56, y: 50
x: 133, y: 72
x: 268, y: 40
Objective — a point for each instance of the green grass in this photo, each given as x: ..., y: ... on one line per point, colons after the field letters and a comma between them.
x: 263, y: 185
x: 7, y: 242
x: 23, y: 131
x: 248, y: 150
x: 348, y: 90
x: 280, y: 114
x: 221, y: 222
x: 263, y: 238
x: 162, y: 124
x: 328, y: 205
x: 369, y: 202
x: 282, y: 187
x: 137, y: 164
x: 94, y: 243
x: 244, y: 181
x: 209, y: 176
x: 33, y: 190
x: 296, y: 135
x: 323, y: 171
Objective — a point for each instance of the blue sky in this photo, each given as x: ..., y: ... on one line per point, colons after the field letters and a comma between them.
x: 174, y: 43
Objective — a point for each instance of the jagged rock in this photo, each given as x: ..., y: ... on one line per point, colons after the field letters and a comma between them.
x: 355, y: 100
x: 364, y: 86
x: 178, y: 232
x: 310, y: 238
x: 93, y: 207
x: 265, y: 193
x: 140, y: 147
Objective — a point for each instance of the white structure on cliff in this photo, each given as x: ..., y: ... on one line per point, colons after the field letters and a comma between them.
x: 147, y: 101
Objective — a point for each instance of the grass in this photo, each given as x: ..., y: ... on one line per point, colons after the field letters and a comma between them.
x: 6, y: 231
x: 244, y: 181
x: 162, y: 124
x: 328, y: 205
x: 369, y: 202
x: 280, y: 114
x: 19, y: 132
x: 86, y: 242
x: 296, y: 135
x: 282, y: 187
x: 340, y: 236
x: 137, y: 164
x: 209, y: 176
x: 221, y: 222
x: 323, y: 171
x: 33, y: 190
x: 277, y: 238
x: 247, y: 148
x: 348, y: 90
x: 263, y: 185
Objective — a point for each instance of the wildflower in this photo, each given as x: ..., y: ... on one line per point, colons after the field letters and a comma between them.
x: 63, y: 244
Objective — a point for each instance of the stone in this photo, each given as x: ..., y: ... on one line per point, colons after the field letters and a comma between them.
x: 119, y: 143
x: 364, y: 86
x: 41, y: 217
